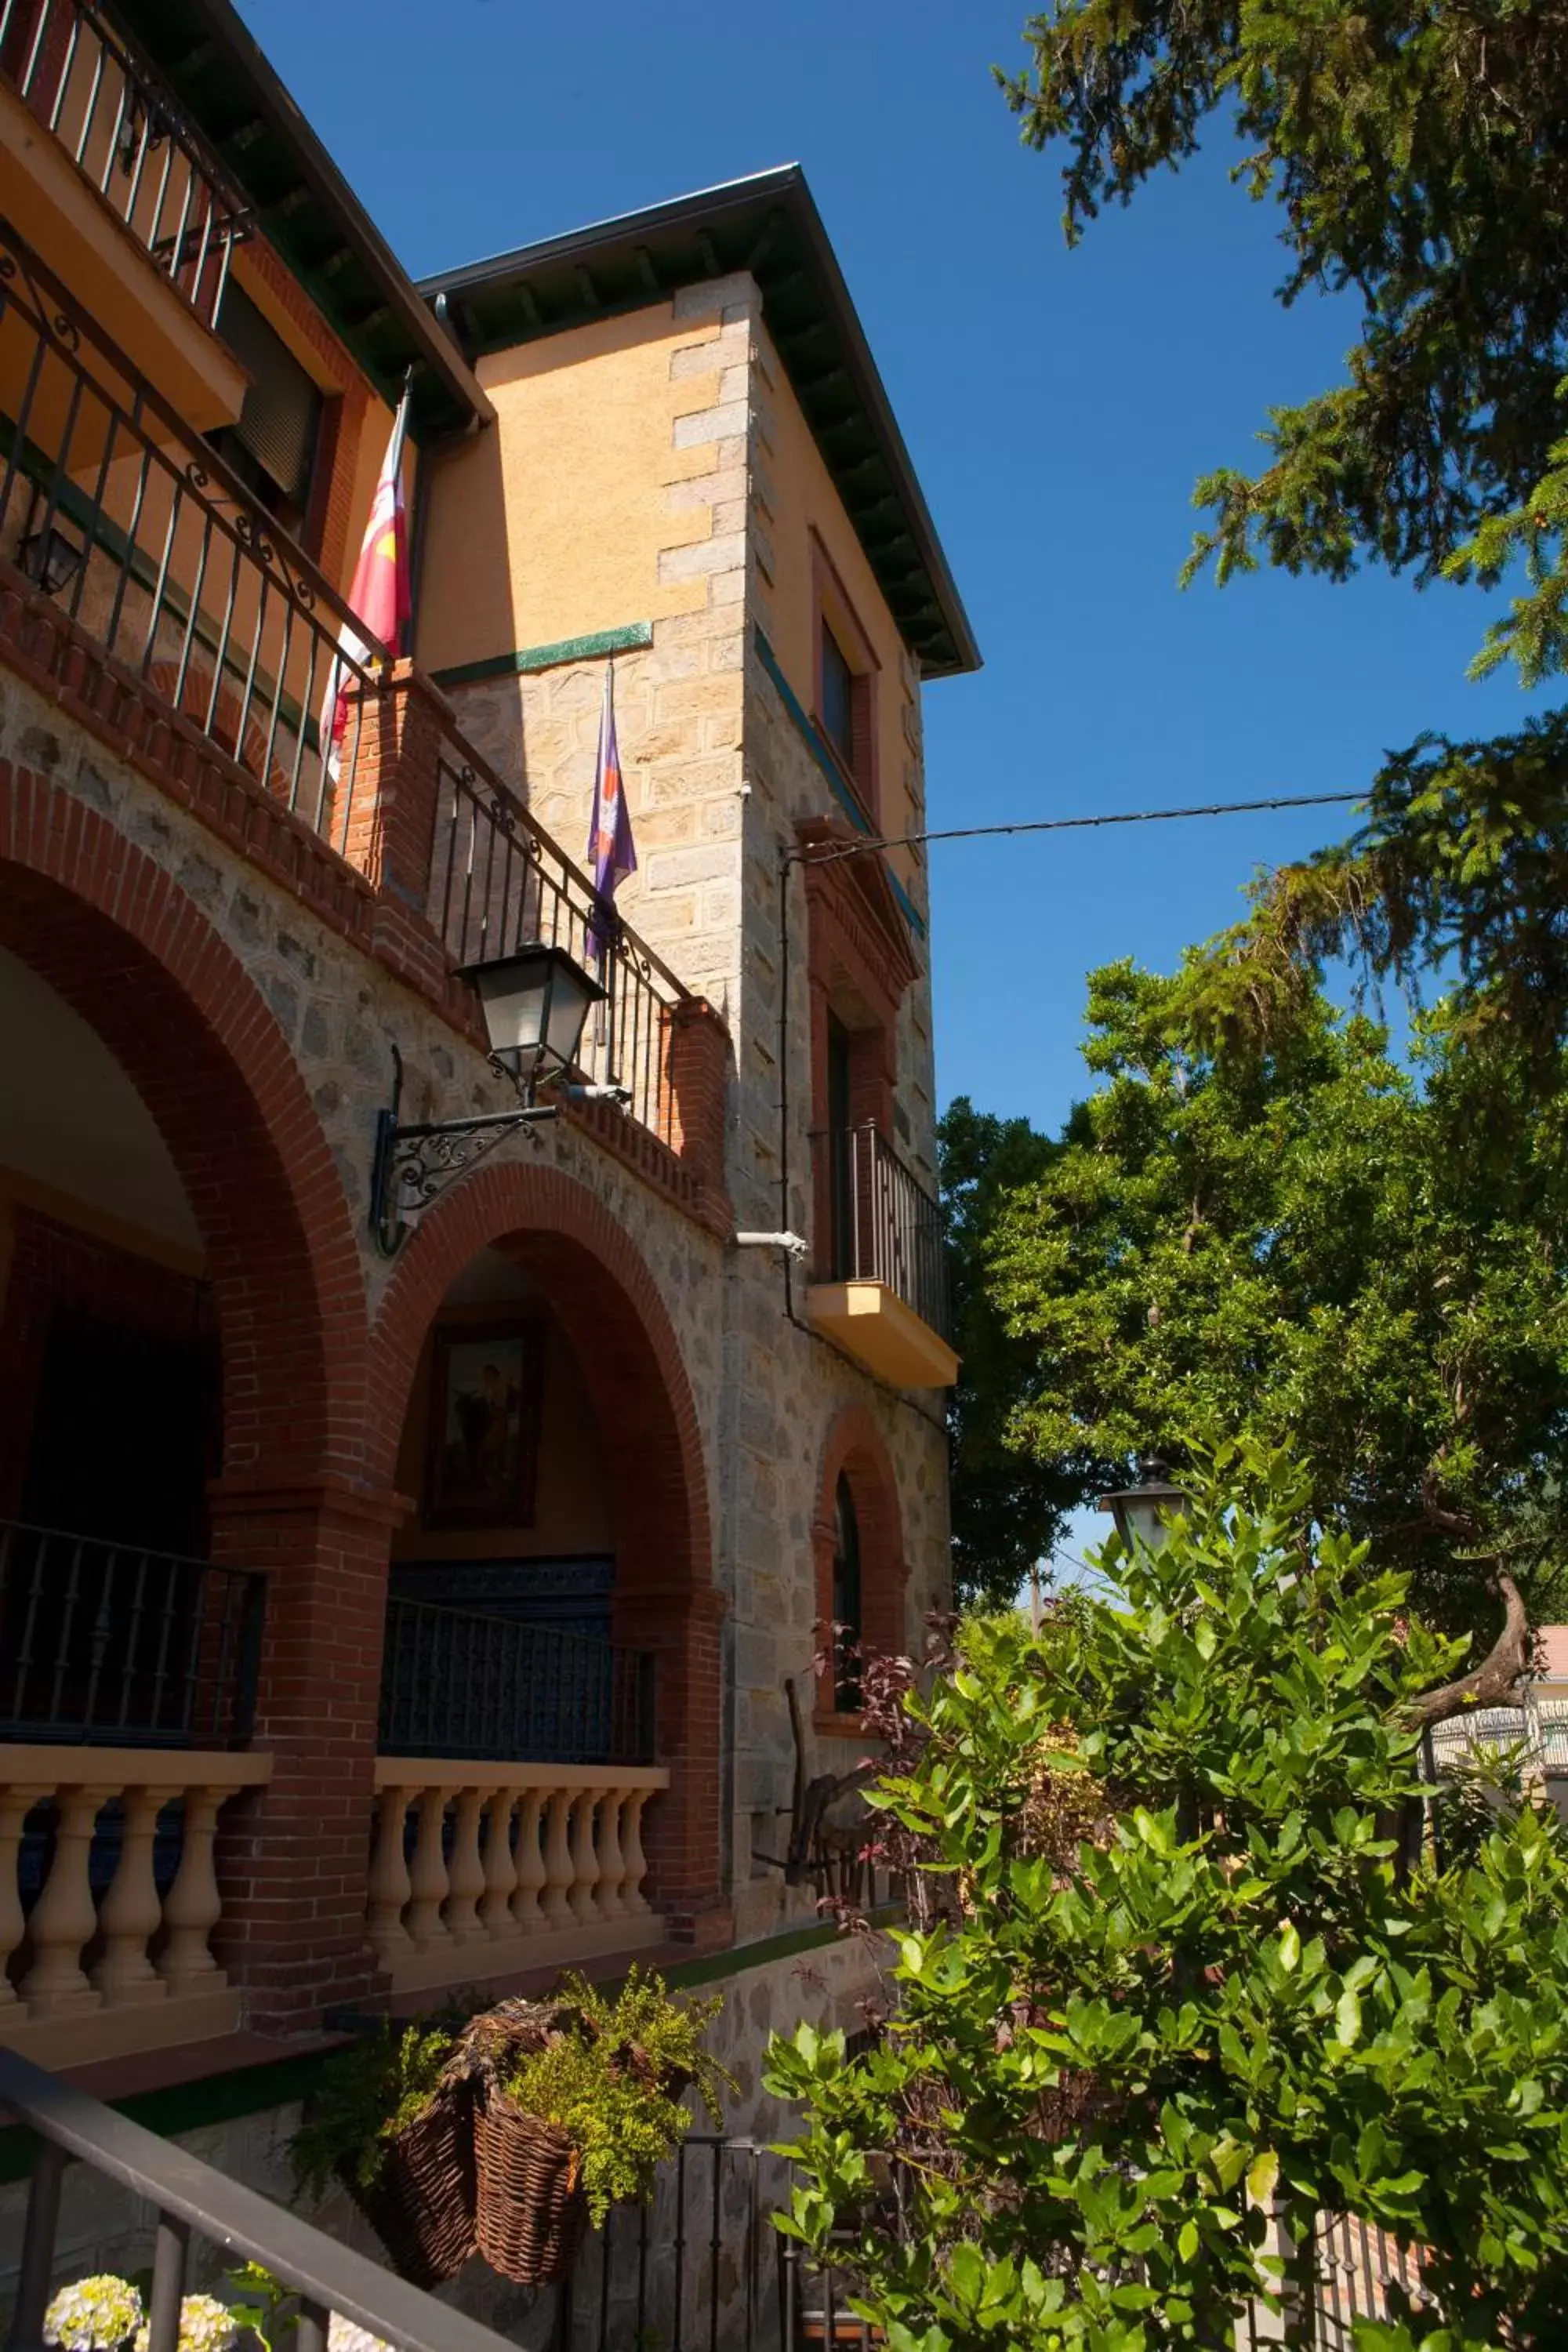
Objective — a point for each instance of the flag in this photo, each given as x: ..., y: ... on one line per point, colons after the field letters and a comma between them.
x: 380, y: 597
x: 611, y: 852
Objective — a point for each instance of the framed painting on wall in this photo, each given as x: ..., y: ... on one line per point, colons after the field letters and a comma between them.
x: 485, y: 1391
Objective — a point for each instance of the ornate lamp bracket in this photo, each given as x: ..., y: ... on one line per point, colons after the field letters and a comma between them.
x: 414, y: 1164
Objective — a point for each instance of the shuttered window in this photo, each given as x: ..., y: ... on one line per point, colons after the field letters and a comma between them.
x: 279, y: 426
x: 845, y: 712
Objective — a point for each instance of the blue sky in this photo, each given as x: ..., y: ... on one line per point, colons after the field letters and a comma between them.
x: 1058, y: 408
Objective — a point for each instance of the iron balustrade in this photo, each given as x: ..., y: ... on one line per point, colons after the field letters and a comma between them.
x: 113, y: 1643
x: 170, y: 565
x: 130, y: 139
x: 495, y: 1689
x: 498, y: 882
x: 885, y: 1225
x: 189, y: 2199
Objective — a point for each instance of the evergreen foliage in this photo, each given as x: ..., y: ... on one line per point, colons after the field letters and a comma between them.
x: 1197, y: 1986
x: 1415, y: 152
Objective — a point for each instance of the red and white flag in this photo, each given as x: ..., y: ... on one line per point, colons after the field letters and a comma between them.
x: 381, y: 596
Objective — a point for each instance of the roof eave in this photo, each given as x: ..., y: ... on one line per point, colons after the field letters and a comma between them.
x: 784, y: 187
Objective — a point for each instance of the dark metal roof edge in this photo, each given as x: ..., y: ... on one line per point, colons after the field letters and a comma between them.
x: 230, y: 32
x: 784, y: 186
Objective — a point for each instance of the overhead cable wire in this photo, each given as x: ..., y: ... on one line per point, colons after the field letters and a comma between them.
x: 813, y: 856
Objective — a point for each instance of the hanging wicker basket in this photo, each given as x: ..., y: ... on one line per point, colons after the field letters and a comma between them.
x: 421, y: 2202
x: 531, y: 2214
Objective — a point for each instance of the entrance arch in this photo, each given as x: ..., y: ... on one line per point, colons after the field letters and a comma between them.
x: 559, y: 1234
x: 118, y: 938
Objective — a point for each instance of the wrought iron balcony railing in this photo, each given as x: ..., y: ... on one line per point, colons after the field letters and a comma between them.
x: 161, y: 555
x: 883, y: 1224
x: 498, y: 881
x: 111, y: 1644
x: 157, y: 550
x: 130, y: 139
x: 493, y: 1688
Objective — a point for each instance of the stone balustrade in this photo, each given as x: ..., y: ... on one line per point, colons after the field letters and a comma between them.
x: 91, y: 1971
x: 513, y: 1866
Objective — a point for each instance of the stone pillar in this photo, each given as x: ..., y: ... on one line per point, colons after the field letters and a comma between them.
x: 392, y: 787
x: 293, y: 1858
x: 698, y: 1074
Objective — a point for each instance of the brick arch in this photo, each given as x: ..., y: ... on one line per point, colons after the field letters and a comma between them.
x: 115, y: 936
x: 599, y: 1286
x: 855, y: 1449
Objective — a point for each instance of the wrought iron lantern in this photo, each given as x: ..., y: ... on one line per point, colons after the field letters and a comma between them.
x: 50, y: 559
x: 536, y: 1004
x: 1142, y: 1512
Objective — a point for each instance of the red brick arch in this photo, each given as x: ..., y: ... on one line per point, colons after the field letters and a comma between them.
x: 610, y: 1308
x: 115, y: 935
x: 855, y: 1450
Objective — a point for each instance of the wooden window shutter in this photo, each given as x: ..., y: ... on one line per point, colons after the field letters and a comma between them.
x: 862, y: 734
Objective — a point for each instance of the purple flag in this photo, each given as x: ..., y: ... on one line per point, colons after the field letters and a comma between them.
x: 611, y: 852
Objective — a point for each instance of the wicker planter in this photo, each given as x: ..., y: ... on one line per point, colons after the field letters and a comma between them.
x: 530, y: 2213
x: 421, y: 2202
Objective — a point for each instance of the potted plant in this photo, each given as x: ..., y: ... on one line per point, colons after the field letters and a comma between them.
x: 101, y: 2313
x: 391, y: 2124
x: 577, y: 2101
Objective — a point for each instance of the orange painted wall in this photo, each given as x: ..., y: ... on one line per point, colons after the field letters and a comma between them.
x: 804, y: 501
x: 549, y: 524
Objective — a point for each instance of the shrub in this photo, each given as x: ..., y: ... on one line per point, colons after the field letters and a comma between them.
x: 1195, y: 1987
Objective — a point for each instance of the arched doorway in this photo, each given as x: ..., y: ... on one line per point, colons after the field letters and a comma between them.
x: 860, y: 1571
x: 548, y: 1433
x: 184, y: 1263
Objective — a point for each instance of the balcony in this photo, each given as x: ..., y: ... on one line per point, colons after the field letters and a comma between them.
x: 884, y: 1298
x: 97, y: 156
x: 154, y: 551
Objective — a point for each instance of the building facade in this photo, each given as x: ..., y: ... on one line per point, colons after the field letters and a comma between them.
x: 410, y: 1540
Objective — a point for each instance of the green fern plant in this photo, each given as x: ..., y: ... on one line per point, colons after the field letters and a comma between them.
x: 613, y: 2080
x: 369, y: 2094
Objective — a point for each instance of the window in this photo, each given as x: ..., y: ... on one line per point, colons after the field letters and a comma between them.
x: 845, y: 686
x: 837, y: 697
x: 273, y: 446
x: 849, y: 1631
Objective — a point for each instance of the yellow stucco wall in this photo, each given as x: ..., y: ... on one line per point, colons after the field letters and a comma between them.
x: 549, y: 524
x: 804, y: 500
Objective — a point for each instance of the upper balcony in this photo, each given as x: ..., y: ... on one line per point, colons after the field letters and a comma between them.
x: 165, y: 580
x: 882, y: 1292
x: 103, y: 165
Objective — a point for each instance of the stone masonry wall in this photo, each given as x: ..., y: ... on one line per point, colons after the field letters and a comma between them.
x: 717, y: 777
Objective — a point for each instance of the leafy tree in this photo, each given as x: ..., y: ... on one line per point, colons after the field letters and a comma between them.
x: 1010, y: 1506
x: 1314, y: 1245
x: 1417, y: 155
x: 1196, y: 1987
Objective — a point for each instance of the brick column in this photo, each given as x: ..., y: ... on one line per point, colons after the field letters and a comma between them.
x: 392, y: 750
x: 681, y: 1624
x: 698, y: 1075
x: 293, y: 1855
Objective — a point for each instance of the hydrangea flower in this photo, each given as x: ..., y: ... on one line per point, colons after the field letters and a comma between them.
x: 96, y: 2315
x: 344, y: 2336
x: 205, y: 2325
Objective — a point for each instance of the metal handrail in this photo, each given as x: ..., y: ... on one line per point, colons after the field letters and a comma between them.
x: 165, y: 524
x: 113, y: 125
x: 190, y: 2197
x: 111, y: 1642
x: 459, y: 1681
x: 884, y: 1225
x: 499, y: 881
